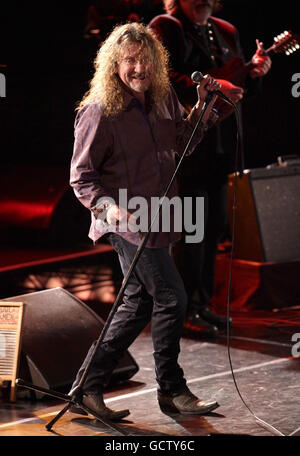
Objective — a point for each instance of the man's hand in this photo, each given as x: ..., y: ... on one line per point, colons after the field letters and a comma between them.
x: 208, y: 84
x: 119, y: 216
x: 261, y: 61
x: 235, y: 93
x: 116, y: 215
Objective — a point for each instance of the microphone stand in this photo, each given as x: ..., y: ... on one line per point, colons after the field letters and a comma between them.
x: 76, y: 393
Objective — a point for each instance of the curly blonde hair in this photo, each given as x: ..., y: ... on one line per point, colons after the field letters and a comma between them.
x: 106, y: 86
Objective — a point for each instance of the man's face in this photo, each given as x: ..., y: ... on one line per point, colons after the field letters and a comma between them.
x: 135, y: 68
x: 197, y: 11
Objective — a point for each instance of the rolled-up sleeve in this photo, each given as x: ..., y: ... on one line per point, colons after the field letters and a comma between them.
x: 91, y: 145
x: 185, y: 127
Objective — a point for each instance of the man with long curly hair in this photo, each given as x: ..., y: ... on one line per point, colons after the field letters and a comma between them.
x: 199, y: 41
x: 128, y: 128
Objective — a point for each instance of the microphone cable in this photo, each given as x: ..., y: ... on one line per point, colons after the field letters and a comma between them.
x: 197, y: 77
x: 239, y: 159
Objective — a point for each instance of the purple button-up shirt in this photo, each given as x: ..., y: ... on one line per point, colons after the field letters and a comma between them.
x: 134, y: 150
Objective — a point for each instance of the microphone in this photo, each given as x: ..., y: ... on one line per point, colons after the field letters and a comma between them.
x: 197, y: 77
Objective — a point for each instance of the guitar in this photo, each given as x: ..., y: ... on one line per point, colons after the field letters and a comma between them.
x: 235, y: 70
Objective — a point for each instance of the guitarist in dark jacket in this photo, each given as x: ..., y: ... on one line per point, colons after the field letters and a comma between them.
x: 197, y: 41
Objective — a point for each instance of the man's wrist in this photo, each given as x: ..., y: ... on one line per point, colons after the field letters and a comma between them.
x: 213, y: 117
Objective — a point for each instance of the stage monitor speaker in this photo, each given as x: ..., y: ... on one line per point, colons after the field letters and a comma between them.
x: 58, y: 329
x: 267, y: 214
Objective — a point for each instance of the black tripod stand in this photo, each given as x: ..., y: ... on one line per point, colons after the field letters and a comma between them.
x: 75, y: 399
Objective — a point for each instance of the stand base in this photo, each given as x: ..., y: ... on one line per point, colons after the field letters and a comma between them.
x: 71, y: 401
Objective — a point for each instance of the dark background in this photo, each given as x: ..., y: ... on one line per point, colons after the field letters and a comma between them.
x: 49, y: 64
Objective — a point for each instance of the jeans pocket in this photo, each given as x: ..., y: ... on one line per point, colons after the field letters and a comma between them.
x: 115, y: 241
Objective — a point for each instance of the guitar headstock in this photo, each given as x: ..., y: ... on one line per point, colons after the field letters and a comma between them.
x: 287, y: 42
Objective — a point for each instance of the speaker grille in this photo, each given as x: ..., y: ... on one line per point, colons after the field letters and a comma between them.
x: 268, y: 214
x: 278, y: 210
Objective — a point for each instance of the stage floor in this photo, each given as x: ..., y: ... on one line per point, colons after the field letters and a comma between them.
x: 266, y: 372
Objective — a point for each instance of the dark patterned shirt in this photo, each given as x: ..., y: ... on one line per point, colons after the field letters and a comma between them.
x: 134, y: 150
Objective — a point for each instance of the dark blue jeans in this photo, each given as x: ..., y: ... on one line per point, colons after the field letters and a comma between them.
x: 155, y: 293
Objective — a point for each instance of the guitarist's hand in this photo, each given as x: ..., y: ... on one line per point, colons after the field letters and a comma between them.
x: 261, y: 61
x: 235, y: 93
